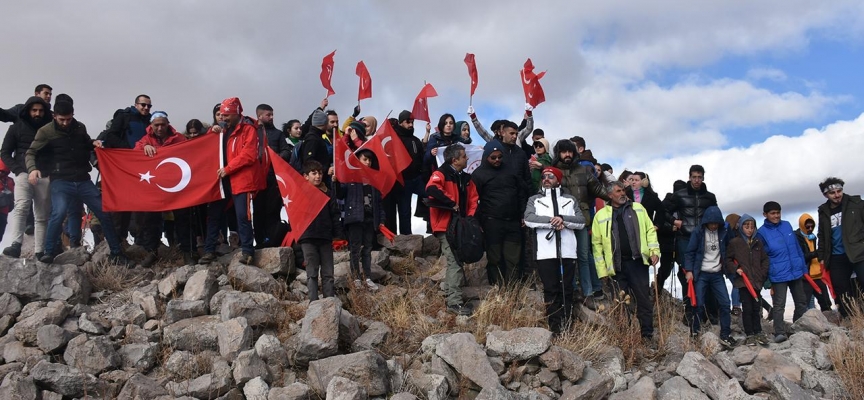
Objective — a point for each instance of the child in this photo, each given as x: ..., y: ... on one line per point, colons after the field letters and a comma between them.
x: 317, y: 240
x: 746, y: 255
x: 704, y: 265
x: 362, y: 218
x: 807, y: 241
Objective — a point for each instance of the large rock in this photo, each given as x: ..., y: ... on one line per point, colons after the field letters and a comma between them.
x: 17, y: 385
x: 785, y: 389
x: 345, y: 389
x: 275, y: 260
x: 206, y: 386
x: 193, y: 334
x: 567, y: 362
x: 142, y: 387
x: 148, y: 300
x: 122, y: 315
x: 769, y: 362
x: 9, y: 304
x: 643, y: 390
x: 68, y: 381
x: 294, y: 391
x: 808, y: 351
x: 31, y: 281
x: 519, y: 344
x: 201, y: 286
x: 367, y: 368
x: 708, y: 377
x: 139, y: 356
x: 75, y: 256
x: 181, y: 309
x: 434, y: 386
x: 259, y: 309
x: 234, y: 336
x: 256, y: 389
x: 271, y: 350
x: 593, y: 385
x: 813, y: 321
x: 678, y: 388
x: 15, y: 351
x: 51, y: 338
x: 431, y: 246
x: 27, y: 328
x: 252, y: 279
x: 92, y: 356
x: 247, y: 366
x: 405, y: 245
x: 468, y: 359
x: 319, y: 334
x: 349, y: 331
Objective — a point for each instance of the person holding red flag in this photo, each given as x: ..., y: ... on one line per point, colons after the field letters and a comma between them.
x: 317, y: 240
x: 807, y: 241
x: 525, y: 128
x: 241, y: 174
x: 411, y: 174
x: 745, y: 255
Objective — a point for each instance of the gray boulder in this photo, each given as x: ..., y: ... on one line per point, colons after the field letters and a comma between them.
x: 51, y: 338
x: 434, y: 386
x: 75, y: 256
x: 17, y: 385
x: 468, y: 359
x: 519, y: 344
x: 142, y: 387
x: 68, y: 381
x: 643, y: 389
x: 248, y: 366
x: 256, y: 389
x: 567, y: 362
x: 319, y: 334
x: 181, y: 309
x: 294, y: 391
x: 259, y: 309
x: 206, y: 386
x: 148, y: 300
x: 271, y: 350
x: 367, y: 368
x: 201, y: 286
x: 593, y: 385
x: 708, y: 377
x: 139, y: 356
x: 678, y: 388
x: 9, y: 305
x: 27, y: 328
x: 16, y: 351
x: 784, y: 389
x: 92, y: 356
x: 341, y: 388
x: 252, y: 279
x: 769, y: 362
x: 31, y: 281
x: 275, y: 260
x: 813, y: 321
x: 193, y: 334
x: 234, y: 336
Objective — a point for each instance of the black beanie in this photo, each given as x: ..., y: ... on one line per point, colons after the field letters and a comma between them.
x: 770, y: 206
x: 63, y: 108
x: 405, y: 115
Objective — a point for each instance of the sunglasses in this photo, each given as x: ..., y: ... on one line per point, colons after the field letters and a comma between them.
x: 549, y: 176
x: 538, y: 144
x: 145, y: 105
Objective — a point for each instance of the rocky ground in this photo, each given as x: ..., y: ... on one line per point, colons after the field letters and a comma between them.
x: 82, y: 329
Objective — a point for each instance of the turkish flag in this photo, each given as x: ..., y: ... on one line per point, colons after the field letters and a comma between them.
x: 365, y: 91
x: 421, y: 109
x: 301, y: 200
x: 327, y: 73
x: 385, y: 174
x: 394, y: 149
x: 531, y: 84
x: 349, y: 169
x: 178, y: 176
x: 472, y: 71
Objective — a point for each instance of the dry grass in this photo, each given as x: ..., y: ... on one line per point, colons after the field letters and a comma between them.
x: 849, y: 360
x: 111, y: 278
x: 508, y: 307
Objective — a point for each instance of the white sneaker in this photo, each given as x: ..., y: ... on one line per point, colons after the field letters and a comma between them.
x: 358, y: 284
x: 371, y: 285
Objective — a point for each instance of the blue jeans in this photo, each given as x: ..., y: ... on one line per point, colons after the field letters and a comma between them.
x: 717, y: 282
x: 412, y: 186
x: 66, y: 193
x: 736, y: 297
x: 588, y: 279
x: 244, y: 222
x: 73, y: 221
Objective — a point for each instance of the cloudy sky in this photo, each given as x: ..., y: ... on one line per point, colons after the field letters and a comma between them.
x: 766, y: 95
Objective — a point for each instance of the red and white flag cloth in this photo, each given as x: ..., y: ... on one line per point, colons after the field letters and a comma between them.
x: 531, y: 84
x: 301, y: 200
x: 365, y: 90
x: 327, y: 73
x: 421, y: 107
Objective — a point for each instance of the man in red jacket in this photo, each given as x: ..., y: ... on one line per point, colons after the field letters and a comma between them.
x: 243, y: 163
x: 451, y: 191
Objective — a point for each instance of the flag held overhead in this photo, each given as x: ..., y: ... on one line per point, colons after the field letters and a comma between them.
x: 531, y: 84
x: 472, y: 71
x: 365, y: 91
x: 327, y: 73
x: 421, y: 106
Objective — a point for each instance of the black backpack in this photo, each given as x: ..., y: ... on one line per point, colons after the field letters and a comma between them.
x: 296, y: 161
x: 465, y: 237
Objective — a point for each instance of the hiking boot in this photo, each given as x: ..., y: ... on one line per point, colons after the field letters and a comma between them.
x: 750, y: 340
x: 761, y: 339
x: 14, y: 250
x: 590, y: 303
x: 728, y: 342
x: 780, y: 338
x: 28, y: 230
x: 189, y: 258
x: 247, y: 259
x: 736, y: 311
x: 47, y: 258
x: 39, y: 255
x: 459, y: 309
x: 371, y: 285
x: 148, y: 260
x: 207, y: 258
x: 598, y: 295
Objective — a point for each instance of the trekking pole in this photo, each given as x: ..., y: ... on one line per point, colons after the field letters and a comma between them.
x: 657, y: 305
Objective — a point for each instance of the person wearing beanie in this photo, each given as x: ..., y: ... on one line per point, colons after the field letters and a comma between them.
x: 787, y: 267
x: 314, y: 145
x: 400, y: 198
x: 499, y: 212
x: 541, y: 158
x: 840, y: 226
x: 745, y: 254
x: 732, y: 232
x: 66, y: 143
x: 807, y: 241
x: 355, y: 135
x: 554, y: 214
x: 624, y: 244
x: 580, y: 181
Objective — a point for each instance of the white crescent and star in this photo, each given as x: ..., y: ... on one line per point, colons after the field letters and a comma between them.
x: 384, y: 145
x: 285, y: 200
x: 185, y: 174
x: 145, y: 177
x: 348, y: 160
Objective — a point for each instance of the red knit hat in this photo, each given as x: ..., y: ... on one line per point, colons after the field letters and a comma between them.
x: 231, y: 105
x: 554, y: 171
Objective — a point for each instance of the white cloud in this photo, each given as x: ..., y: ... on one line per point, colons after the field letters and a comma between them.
x: 771, y: 74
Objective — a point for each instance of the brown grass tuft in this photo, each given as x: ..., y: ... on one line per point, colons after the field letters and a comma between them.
x: 111, y: 278
x: 508, y: 307
x: 849, y: 360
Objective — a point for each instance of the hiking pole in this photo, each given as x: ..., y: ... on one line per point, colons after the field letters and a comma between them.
x: 657, y: 304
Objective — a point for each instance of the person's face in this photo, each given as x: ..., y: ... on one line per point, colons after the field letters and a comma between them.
x: 332, y: 122
x: 218, y: 117
x: 160, y: 127
x: 809, y: 226
x: 494, y: 159
x: 231, y: 119
x: 549, y: 180
x: 295, y: 130
x: 535, y: 137
x: 365, y: 160
x: 465, y: 130
x: 713, y: 226
x: 635, y: 181
x: 597, y: 168
x: 539, y: 148
x: 407, y: 124
x: 618, y: 196
x: 266, y: 117
x: 566, y: 156
x: 143, y: 105
x: 192, y: 132
x: 461, y: 161
x: 508, y: 135
x: 835, y: 196
x: 369, y: 128
x: 749, y: 227
x: 45, y: 94
x: 772, y: 216
x: 37, y: 111
x: 63, y: 121
x: 449, y: 124
x: 696, y: 179
x: 313, y: 177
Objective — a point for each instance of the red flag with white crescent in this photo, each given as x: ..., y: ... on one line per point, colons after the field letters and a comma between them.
x: 421, y: 108
x: 327, y: 73
x: 395, y: 150
x: 301, y: 200
x: 534, y: 94
x: 472, y: 71
x: 178, y: 176
x: 385, y: 174
x: 365, y: 91
x: 349, y: 169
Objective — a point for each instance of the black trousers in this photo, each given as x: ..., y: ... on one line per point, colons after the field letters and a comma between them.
x: 267, y: 206
x: 557, y: 291
x: 389, y: 204
x: 751, y: 312
x: 841, y: 269
x: 503, y: 242
x: 361, y: 238
x: 149, y: 233
x: 823, y: 299
x: 633, y: 280
x: 667, y: 264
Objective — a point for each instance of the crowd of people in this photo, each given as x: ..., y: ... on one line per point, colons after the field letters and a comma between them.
x: 547, y: 211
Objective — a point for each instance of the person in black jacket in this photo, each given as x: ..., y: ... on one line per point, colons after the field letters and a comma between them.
x: 500, y: 212
x: 402, y: 194
x: 268, y: 203
x: 314, y: 147
x: 317, y: 240
x: 42, y: 91
x: 666, y: 237
x: 33, y: 115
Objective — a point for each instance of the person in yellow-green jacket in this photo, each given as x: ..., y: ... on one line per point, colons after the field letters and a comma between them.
x: 625, y: 244
x: 807, y: 241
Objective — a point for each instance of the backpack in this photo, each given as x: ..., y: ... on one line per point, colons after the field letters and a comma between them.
x: 296, y: 161
x: 465, y: 237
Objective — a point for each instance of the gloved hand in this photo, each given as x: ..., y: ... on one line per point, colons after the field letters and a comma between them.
x: 386, y: 232
x: 339, y: 245
x: 356, y: 111
x: 471, y: 111
x: 528, y: 109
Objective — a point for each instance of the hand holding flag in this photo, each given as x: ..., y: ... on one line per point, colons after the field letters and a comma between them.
x: 691, y: 293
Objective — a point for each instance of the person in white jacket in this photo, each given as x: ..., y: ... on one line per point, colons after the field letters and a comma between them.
x: 554, y: 214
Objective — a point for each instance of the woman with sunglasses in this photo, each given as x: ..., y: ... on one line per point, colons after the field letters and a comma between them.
x: 541, y: 159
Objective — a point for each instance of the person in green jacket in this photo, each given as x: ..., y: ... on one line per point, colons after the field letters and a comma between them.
x: 540, y: 160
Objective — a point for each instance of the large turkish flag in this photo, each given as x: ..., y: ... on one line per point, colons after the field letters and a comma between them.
x: 178, y: 176
x: 301, y: 200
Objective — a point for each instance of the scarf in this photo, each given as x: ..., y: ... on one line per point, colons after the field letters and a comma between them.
x: 637, y: 195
